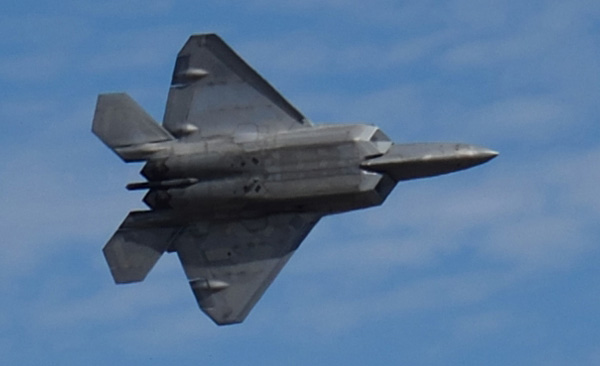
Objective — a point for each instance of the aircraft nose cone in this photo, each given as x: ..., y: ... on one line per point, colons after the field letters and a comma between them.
x: 410, y: 161
x: 477, y: 154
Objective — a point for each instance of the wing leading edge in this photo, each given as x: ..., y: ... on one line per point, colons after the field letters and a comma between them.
x: 216, y: 93
x: 230, y: 264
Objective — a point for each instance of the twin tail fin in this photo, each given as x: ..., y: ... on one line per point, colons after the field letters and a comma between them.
x: 125, y: 127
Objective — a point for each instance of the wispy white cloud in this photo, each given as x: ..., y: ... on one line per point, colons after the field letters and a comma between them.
x: 471, y: 327
x: 39, y: 67
x: 454, y: 244
x: 300, y: 53
x: 396, y: 110
x: 577, y: 172
x: 40, y: 47
x: 124, y: 9
x: 523, y: 119
x: 34, y: 31
x: 62, y: 308
x: 539, y: 242
x: 345, y: 308
x: 130, y: 51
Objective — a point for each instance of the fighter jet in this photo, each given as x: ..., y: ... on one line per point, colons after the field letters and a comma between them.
x: 236, y: 176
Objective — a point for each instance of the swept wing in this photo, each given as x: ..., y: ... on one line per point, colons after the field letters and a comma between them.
x: 215, y: 93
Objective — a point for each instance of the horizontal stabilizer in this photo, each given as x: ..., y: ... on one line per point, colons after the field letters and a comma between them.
x: 133, y: 251
x: 127, y: 129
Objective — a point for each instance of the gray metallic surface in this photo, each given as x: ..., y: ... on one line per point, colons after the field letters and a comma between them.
x: 135, y: 140
x: 215, y: 93
x: 230, y: 263
x: 410, y: 161
x: 238, y: 177
x: 133, y: 251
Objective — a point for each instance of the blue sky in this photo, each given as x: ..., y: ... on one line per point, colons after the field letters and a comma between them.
x: 496, y: 265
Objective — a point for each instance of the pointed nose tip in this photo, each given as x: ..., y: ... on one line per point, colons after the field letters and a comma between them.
x: 485, y: 154
x: 471, y: 155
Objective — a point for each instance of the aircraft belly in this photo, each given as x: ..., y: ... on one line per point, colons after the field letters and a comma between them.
x: 278, y: 178
x: 314, y: 190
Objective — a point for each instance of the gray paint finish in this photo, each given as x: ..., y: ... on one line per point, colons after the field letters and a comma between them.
x: 237, y: 177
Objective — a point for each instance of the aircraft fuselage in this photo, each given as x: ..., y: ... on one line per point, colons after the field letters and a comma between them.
x: 326, y: 169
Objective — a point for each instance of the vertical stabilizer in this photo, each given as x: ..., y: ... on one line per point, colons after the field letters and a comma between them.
x: 127, y: 129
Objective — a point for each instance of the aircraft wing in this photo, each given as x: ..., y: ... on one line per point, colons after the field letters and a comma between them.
x: 214, y: 93
x: 230, y: 264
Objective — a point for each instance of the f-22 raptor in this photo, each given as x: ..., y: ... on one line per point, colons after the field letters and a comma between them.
x: 237, y: 176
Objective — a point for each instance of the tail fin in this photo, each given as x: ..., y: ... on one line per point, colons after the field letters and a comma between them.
x: 127, y: 129
x: 133, y: 249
